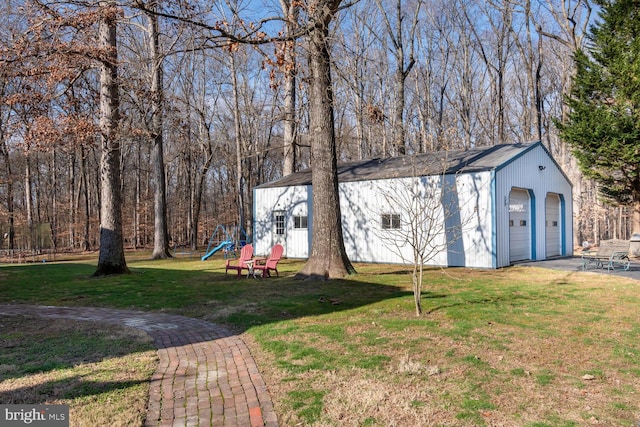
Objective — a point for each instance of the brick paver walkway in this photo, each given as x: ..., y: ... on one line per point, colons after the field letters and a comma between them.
x: 206, y: 375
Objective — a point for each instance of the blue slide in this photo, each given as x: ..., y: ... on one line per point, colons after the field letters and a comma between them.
x: 216, y: 249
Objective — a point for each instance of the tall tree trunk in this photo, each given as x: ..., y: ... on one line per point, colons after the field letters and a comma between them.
x: 538, y: 87
x: 4, y: 151
x: 73, y: 196
x: 398, y: 122
x: 28, y: 196
x: 530, y: 111
x: 111, y: 259
x: 360, y: 117
x: 147, y: 196
x: 196, y: 206
x: 161, y: 233
x: 54, y: 202
x: 423, y: 112
x: 10, y: 211
x: 138, y: 200
x: 328, y: 257
x: 240, y: 184
x: 84, y: 185
x: 395, y: 32
x: 290, y: 71
x: 198, y: 188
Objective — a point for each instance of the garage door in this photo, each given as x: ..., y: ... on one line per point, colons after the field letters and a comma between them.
x: 519, y: 225
x: 552, y: 225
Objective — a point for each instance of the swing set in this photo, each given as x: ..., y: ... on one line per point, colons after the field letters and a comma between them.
x: 227, y: 239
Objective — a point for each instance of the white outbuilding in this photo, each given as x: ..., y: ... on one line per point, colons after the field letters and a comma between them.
x: 485, y: 207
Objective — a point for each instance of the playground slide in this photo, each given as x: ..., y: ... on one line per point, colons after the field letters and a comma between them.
x: 216, y: 249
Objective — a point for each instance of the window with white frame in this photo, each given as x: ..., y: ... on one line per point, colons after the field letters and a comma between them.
x: 278, y: 222
x: 390, y: 221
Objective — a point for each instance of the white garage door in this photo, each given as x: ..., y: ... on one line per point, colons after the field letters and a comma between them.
x: 519, y: 225
x: 552, y: 225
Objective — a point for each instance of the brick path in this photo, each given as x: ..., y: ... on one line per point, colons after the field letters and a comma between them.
x: 206, y: 375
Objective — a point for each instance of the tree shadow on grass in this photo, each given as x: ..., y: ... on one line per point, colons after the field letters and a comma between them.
x: 155, y: 292
x: 179, y: 304
x: 67, y: 388
x: 36, y: 345
x: 511, y: 299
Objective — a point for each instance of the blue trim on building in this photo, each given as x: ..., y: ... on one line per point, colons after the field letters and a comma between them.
x: 563, y: 225
x: 494, y: 221
x: 532, y: 147
x: 532, y: 218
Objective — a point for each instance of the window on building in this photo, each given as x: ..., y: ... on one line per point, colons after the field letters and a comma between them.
x: 278, y: 221
x: 300, y: 221
x: 390, y: 221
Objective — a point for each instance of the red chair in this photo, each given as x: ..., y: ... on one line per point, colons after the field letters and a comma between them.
x: 272, y: 262
x: 245, y: 255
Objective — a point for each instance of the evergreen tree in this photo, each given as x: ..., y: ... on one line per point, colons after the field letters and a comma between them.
x: 603, y: 124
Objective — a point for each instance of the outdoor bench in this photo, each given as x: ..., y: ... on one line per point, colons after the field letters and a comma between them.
x: 613, y: 253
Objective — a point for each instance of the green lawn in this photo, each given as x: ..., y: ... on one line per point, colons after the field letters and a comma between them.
x: 516, y: 347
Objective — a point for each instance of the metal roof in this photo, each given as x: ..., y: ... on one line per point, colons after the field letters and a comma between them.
x: 435, y: 163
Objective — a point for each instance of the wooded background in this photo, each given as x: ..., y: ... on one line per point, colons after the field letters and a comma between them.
x: 409, y: 77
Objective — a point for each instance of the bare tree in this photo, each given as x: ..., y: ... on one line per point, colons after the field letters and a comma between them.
x: 161, y: 234
x: 289, y: 63
x: 466, y: 77
x: 239, y: 139
x: 531, y: 114
x: 328, y: 256
x: 486, y: 72
x: 433, y: 79
x: 421, y: 218
x: 494, y: 46
x: 196, y: 96
x: 111, y: 259
x: 565, y: 28
x: 366, y: 89
x: 6, y: 177
x: 84, y: 188
x: 393, y: 24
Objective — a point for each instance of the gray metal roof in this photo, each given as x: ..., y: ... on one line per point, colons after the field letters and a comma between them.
x: 436, y: 163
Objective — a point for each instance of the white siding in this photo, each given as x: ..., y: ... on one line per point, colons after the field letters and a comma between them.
x: 480, y: 204
x: 535, y: 171
x: 292, y: 201
x: 464, y: 240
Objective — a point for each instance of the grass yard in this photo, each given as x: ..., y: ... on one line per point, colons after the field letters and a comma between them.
x: 101, y: 372
x: 518, y: 346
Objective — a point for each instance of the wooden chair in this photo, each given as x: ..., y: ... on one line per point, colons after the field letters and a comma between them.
x: 271, y: 263
x: 245, y: 255
x: 612, y: 253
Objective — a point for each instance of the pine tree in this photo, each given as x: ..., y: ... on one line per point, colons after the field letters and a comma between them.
x: 603, y: 124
